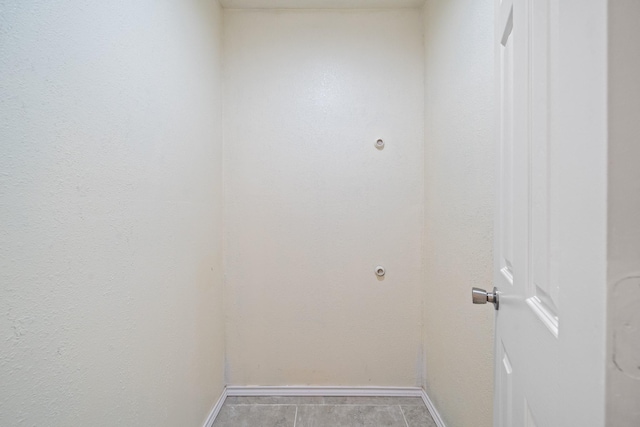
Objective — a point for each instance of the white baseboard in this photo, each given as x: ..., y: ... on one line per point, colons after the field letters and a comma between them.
x: 432, y: 409
x: 216, y: 409
x: 324, y: 391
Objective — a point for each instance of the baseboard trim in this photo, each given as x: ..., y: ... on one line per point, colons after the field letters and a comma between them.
x: 216, y: 409
x: 323, y: 391
x: 432, y: 409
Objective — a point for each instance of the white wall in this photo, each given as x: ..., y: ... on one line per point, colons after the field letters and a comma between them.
x: 459, y: 199
x: 110, y: 213
x: 311, y: 207
x: 623, y: 355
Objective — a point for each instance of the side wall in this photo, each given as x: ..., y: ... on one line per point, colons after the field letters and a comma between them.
x: 459, y: 199
x: 312, y: 207
x: 623, y: 367
x: 110, y: 212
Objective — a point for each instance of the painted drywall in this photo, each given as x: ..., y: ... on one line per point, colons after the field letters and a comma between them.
x: 312, y: 207
x: 623, y: 355
x: 110, y: 213
x: 459, y: 198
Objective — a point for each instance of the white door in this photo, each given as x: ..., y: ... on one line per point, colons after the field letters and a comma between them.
x: 527, y: 319
x: 531, y: 346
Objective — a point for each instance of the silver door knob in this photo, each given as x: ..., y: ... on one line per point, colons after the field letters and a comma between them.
x: 480, y: 296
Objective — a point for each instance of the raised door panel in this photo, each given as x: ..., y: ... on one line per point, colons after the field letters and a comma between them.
x: 543, y: 287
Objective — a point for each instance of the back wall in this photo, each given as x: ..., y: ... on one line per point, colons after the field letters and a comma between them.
x: 312, y: 207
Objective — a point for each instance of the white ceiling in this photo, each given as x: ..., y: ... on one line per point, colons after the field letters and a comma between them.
x: 320, y: 4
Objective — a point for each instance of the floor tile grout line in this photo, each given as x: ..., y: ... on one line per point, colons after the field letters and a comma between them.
x: 402, y: 412
x: 295, y: 418
x: 270, y: 404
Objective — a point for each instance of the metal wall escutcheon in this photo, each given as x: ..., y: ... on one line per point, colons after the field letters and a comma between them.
x: 480, y: 296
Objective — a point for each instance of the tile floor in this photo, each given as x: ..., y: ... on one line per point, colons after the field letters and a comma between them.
x: 324, y: 412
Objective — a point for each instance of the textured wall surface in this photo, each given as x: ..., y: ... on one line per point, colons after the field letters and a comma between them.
x: 459, y: 199
x: 311, y: 206
x: 110, y: 213
x: 623, y: 373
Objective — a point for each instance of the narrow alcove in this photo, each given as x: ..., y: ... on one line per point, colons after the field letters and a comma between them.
x: 210, y: 198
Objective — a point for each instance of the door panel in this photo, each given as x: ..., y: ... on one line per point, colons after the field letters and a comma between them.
x: 527, y: 322
x: 506, y: 407
x: 551, y: 214
x: 543, y: 290
x: 505, y: 381
x: 529, y: 420
x: 506, y: 143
